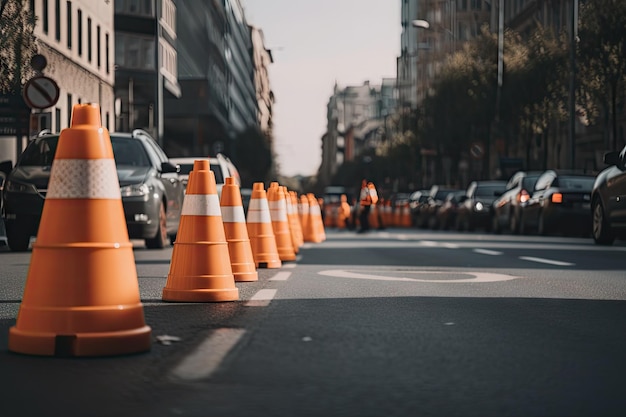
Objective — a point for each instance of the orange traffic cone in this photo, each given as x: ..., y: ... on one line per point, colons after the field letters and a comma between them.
x: 278, y: 214
x: 305, y: 218
x: 312, y: 232
x: 82, y: 295
x: 200, y: 270
x: 296, y: 219
x: 291, y: 219
x: 241, y: 259
x: 260, y: 230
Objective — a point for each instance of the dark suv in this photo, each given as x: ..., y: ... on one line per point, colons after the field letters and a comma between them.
x: 152, y: 193
x: 608, y: 200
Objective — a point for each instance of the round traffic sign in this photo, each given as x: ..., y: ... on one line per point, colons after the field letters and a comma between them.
x: 41, y: 92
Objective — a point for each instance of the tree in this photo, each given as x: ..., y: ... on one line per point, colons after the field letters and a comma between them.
x: 17, y: 44
x: 602, y: 60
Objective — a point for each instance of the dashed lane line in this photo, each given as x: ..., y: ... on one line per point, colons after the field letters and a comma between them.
x: 546, y: 261
x: 203, y: 361
x: 261, y: 298
x: 488, y: 252
x: 281, y: 276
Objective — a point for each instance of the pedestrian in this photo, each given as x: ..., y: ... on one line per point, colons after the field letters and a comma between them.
x: 367, y: 198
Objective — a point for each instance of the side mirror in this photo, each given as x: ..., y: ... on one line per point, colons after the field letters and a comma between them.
x: 612, y: 158
x: 168, y: 167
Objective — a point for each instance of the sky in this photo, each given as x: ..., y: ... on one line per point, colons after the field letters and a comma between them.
x: 316, y: 43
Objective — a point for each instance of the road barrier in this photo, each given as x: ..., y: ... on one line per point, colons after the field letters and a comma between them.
x: 280, y: 224
x: 260, y: 230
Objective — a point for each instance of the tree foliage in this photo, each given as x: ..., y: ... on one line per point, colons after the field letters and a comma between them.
x: 17, y: 44
x: 601, y: 58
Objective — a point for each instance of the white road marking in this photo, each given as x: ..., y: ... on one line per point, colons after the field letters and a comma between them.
x: 450, y: 245
x: 289, y: 265
x: 203, y: 361
x: 281, y: 276
x: 475, y: 276
x: 261, y: 298
x: 487, y: 252
x: 546, y: 261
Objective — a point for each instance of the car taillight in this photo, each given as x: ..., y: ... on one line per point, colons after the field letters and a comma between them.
x: 557, y: 198
x: 523, y: 196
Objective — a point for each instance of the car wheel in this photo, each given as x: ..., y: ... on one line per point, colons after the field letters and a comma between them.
x: 495, y: 224
x: 18, y: 237
x: 159, y: 240
x: 601, y: 231
x: 523, y: 229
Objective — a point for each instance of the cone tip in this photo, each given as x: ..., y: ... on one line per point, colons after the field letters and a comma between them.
x: 201, y: 165
x: 258, y: 186
x: 229, y: 181
x: 86, y: 114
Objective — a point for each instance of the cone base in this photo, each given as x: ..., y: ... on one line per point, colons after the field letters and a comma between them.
x: 270, y: 264
x: 246, y: 276
x: 80, y: 344
x: 201, y: 295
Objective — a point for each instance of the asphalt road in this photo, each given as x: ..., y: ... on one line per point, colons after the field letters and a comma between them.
x: 392, y: 323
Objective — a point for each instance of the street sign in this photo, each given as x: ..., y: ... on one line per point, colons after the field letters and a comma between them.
x: 41, y: 92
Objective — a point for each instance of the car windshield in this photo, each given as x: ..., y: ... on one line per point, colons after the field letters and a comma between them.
x: 40, y: 152
x: 129, y: 152
x: 528, y: 183
x: 185, y: 169
x: 574, y: 183
x: 489, y: 190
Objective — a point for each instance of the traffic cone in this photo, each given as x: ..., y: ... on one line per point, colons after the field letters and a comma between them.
x: 296, y: 222
x: 291, y: 219
x: 241, y: 259
x: 260, y: 230
x: 305, y: 217
x: 312, y: 228
x: 200, y: 269
x: 280, y: 225
x: 82, y: 295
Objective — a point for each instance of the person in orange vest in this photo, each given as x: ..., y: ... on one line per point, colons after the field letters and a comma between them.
x: 368, y: 197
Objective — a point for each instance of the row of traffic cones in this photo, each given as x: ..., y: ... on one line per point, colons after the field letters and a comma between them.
x: 82, y: 294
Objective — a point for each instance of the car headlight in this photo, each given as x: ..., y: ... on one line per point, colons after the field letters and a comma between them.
x: 18, y: 187
x: 479, y: 206
x: 134, y: 190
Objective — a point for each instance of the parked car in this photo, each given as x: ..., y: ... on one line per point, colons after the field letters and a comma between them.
x: 560, y: 203
x: 507, y: 208
x: 221, y: 166
x: 152, y: 193
x: 446, y: 215
x: 428, y: 210
x: 475, y: 211
x: 416, y: 199
x: 608, y: 200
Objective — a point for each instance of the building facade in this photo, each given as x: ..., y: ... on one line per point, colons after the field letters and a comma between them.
x: 77, y: 39
x: 146, y: 64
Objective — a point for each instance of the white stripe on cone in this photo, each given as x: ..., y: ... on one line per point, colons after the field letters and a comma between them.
x: 233, y: 214
x: 259, y: 211
x: 84, y: 178
x: 201, y: 205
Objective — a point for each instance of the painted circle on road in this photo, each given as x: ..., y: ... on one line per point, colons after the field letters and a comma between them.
x: 473, y: 276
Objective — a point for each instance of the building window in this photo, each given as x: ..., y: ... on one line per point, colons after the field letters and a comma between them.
x: 107, y: 51
x: 57, y: 19
x: 134, y: 52
x: 135, y: 7
x: 69, y: 109
x: 45, y: 16
x: 79, y: 17
x: 89, y: 39
x: 57, y: 119
x: 98, y: 47
x: 69, y: 25
x: 107, y: 118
